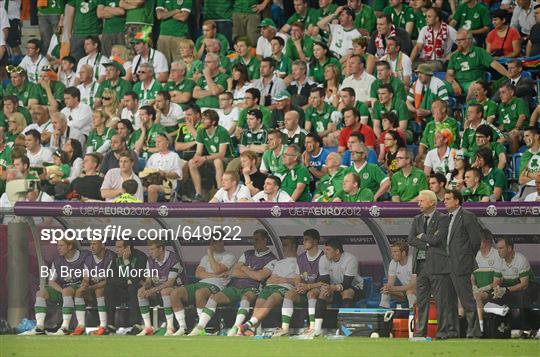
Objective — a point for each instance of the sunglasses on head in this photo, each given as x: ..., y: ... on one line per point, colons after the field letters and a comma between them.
x: 14, y: 69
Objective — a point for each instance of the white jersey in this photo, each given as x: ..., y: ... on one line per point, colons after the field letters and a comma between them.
x: 242, y: 192
x: 33, y: 69
x: 402, y: 272
x: 346, y: 266
x: 228, y: 120
x: 134, y: 118
x: 225, y: 258
x: 281, y: 196
x: 486, y: 267
x: 286, y: 268
x: 173, y: 116
x: 342, y: 39
x: 155, y: 58
x: 96, y: 61
x: 512, y: 272
x: 37, y: 159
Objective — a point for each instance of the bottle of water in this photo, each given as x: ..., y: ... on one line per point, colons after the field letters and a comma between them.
x: 222, y: 331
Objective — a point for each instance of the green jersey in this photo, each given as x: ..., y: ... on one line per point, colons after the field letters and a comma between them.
x: 85, y: 22
x: 468, y: 140
x: 408, y: 187
x: 57, y: 89
x: 25, y: 92
x: 151, y: 134
x: 213, y: 141
x: 242, y: 118
x: 223, y: 49
x: 319, y: 120
x: 244, y: 6
x: 530, y: 161
x: 146, y: 95
x: 54, y: 7
x: 495, y: 178
x: 290, y: 178
x: 362, y: 195
x: 509, y: 113
x: 365, y: 18
x: 401, y: 18
x: 211, y: 101
x: 483, y: 190
x: 307, y: 47
x: 115, y: 24
x: 471, y: 66
x: 172, y: 26
x: 298, y: 138
x: 496, y: 150
x: 250, y: 137
x: 271, y: 162
x: 95, y: 140
x: 143, y: 15
x: 252, y: 66
x: 218, y: 9
x: 121, y: 87
x: 283, y: 65
x: 379, y: 5
x: 472, y: 18
x: 490, y: 107
x: 397, y: 85
x: 428, y: 136
x: 419, y: 23
x: 5, y: 161
x: 329, y: 185
x: 185, y: 86
x: 399, y: 107
x: 311, y: 18
x: 317, y: 70
x: 371, y: 176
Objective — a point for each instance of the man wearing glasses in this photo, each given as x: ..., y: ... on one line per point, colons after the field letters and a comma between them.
x: 212, y: 83
x: 371, y: 176
x: 147, y: 87
x: 409, y: 180
x: 114, y: 71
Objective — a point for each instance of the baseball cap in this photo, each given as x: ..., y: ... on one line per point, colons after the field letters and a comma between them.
x: 267, y: 22
x: 282, y: 95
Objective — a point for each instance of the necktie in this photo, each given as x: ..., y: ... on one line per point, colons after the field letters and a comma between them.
x: 426, y: 219
x: 449, y: 229
x: 513, y: 82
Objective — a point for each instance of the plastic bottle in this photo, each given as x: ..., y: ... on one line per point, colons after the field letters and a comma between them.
x: 222, y: 331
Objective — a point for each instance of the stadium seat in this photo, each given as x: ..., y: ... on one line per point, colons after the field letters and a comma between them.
x: 368, y: 290
x: 488, y: 76
x: 440, y: 75
x: 526, y: 74
x: 413, y: 149
x: 516, y: 160
x: 331, y: 148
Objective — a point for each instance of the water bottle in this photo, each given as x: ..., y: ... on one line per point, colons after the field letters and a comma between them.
x: 222, y: 331
x: 420, y: 339
x: 411, y: 323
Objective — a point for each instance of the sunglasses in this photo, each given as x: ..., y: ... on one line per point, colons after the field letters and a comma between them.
x: 141, y: 72
x: 14, y: 69
x: 106, y: 98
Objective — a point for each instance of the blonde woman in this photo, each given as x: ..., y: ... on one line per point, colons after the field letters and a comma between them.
x: 16, y: 124
x: 332, y: 80
x: 122, y: 52
x: 194, y: 66
x: 111, y: 105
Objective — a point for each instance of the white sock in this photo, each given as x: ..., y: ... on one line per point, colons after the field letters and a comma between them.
x: 311, y: 312
x: 41, y: 303
x: 243, y: 311
x: 481, y: 325
x: 66, y: 318
x: 286, y: 312
x: 207, y: 313
x: 181, y: 318
x: 385, y: 300
x: 199, y: 312
x: 102, y: 311
x: 168, y: 311
x: 81, y: 314
x: 318, y: 326
x: 253, y: 321
x: 144, y: 303
x: 411, y: 298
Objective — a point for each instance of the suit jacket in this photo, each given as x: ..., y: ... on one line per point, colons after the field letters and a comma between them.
x: 300, y: 98
x: 137, y: 261
x: 525, y: 89
x: 433, y: 242
x: 464, y: 243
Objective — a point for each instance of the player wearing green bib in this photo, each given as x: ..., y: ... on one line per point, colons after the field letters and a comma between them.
x: 114, y: 22
x: 402, y: 15
x: 511, y: 116
x: 352, y: 192
x: 371, y: 176
x: 476, y: 190
x: 409, y: 180
x: 332, y: 181
x: 211, y: 84
x: 295, y: 178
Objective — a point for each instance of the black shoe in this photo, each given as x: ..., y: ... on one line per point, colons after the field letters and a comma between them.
x: 135, y: 330
x: 198, y: 198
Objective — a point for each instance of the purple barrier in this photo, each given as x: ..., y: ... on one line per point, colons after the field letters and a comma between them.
x: 262, y: 210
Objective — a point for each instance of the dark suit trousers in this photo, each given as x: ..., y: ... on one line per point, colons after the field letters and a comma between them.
x: 116, y: 295
x: 440, y: 285
x: 463, y: 288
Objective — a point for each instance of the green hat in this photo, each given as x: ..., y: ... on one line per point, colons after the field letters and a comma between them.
x: 425, y: 68
x: 282, y: 95
x: 115, y: 62
x: 267, y: 22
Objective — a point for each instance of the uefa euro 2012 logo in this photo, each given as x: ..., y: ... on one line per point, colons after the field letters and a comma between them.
x: 275, y: 211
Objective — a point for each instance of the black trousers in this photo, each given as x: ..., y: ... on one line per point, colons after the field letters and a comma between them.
x: 116, y: 295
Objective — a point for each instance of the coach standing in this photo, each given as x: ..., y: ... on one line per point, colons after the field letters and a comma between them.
x: 463, y: 243
x: 428, y: 235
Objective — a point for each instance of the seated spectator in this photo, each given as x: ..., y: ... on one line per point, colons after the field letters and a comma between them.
x: 332, y: 181
x: 146, y: 54
x: 74, y: 152
x: 392, y: 143
x: 211, y: 84
x: 314, y: 157
x: 36, y: 153
x: 179, y: 86
x: 121, y: 52
x: 456, y: 179
x: 129, y: 189
x: 251, y: 176
x: 481, y: 91
x: 238, y: 84
x: 66, y: 72
x: 503, y: 40
x: 283, y: 63
x: 530, y: 160
x: 228, y: 115
x: 88, y: 185
x: 359, y: 78
x: 357, y: 138
x: 299, y: 46
x: 321, y: 58
x: 347, y: 99
x: 423, y: 92
x: 399, y: 61
x: 402, y: 15
x: 352, y: 125
x: 341, y: 34
x: 252, y: 100
x: 384, y: 76
x: 437, y: 183
x: 99, y: 139
x: 301, y: 85
x: 169, y: 114
x: 389, y: 101
x: 146, y: 87
x: 303, y: 14
x: 118, y: 145
x: 435, y: 41
x: 292, y: 131
x: 512, y: 114
x: 440, y: 120
x: 384, y: 30
x: 492, y: 176
x: 475, y: 120
x: 269, y: 84
x: 524, y: 87
x: 268, y: 30
x: 111, y: 106
x: 27, y: 92
x: 272, y: 159
x: 352, y: 191
x: 523, y: 16
x: 209, y: 31
x: 255, y: 137
x: 214, y: 140
x: 409, y: 180
x: 472, y: 16
x: 193, y: 64
x: 332, y: 80
x: 11, y: 105
x: 283, y: 106
x: 169, y: 166
x: 400, y: 268
x: 62, y: 132
x: 15, y: 127
x: 469, y: 63
x: 319, y: 115
x: 440, y: 159
x: 389, y: 122
x: 40, y: 122
x: 232, y: 190
x: 242, y: 46
x: 145, y: 136
x: 371, y: 176
x: 88, y: 86
x: 534, y: 196
x: 271, y: 192
x: 476, y: 190
x: 111, y: 188
x: 94, y: 58
x: 125, y: 131
x: 51, y: 90
x: 113, y: 80
x: 295, y: 177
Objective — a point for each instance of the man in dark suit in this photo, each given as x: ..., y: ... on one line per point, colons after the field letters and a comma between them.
x: 301, y: 85
x: 463, y: 244
x: 428, y: 235
x: 524, y: 86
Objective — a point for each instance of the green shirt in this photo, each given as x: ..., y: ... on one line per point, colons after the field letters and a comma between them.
x: 146, y: 95
x: 244, y: 6
x: 470, y: 67
x: 530, y: 161
x: 185, y: 86
x: 267, y: 114
x: 317, y: 70
x: 408, y: 187
x: 5, y: 161
x: 292, y: 52
x: 419, y: 23
x: 508, y: 114
x: 272, y: 163
x: 490, y: 107
x: 172, y: 26
x: 57, y: 89
x: 214, y: 141
x: 54, y: 7
x: 481, y: 191
x: 400, y: 19
x: 365, y: 18
x: 218, y: 9
x: 299, y: 138
x: 495, y: 178
x: 95, y: 140
x: 211, y: 101
x: 311, y: 18
x: 496, y: 149
x: 428, y: 136
x: 223, y: 49
x: 472, y: 18
x: 397, y: 85
x: 371, y: 176
x: 284, y: 65
x: 250, y: 137
x: 319, y: 120
x: 121, y: 87
x: 27, y: 91
x: 329, y: 185
x: 86, y: 22
x: 115, y: 24
x: 468, y: 140
x: 252, y: 66
x: 362, y: 195
x: 379, y: 5
x: 151, y: 135
x: 399, y: 107
x: 290, y: 178
x: 143, y: 15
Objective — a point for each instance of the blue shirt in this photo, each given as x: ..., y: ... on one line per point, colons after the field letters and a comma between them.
x: 371, y: 158
x: 320, y: 160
